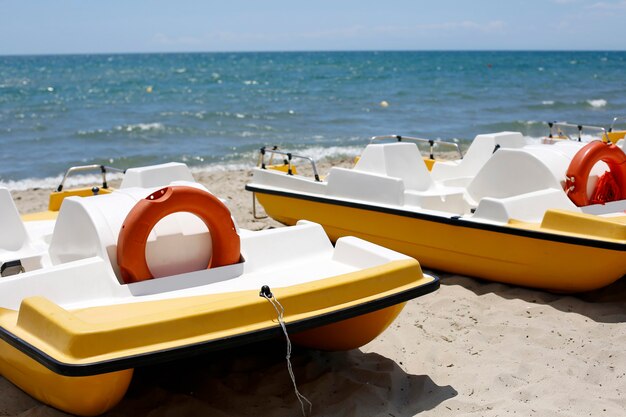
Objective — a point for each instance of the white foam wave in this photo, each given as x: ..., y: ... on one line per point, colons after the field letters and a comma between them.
x: 548, y: 102
x: 597, y: 103
x: 245, y: 161
x: 573, y: 136
x: 140, y: 127
x: 534, y: 140
x: 319, y: 152
x: 53, y: 182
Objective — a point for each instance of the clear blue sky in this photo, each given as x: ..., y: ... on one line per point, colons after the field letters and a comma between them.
x: 84, y: 26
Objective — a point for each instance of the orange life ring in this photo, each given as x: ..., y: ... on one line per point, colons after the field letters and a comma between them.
x: 578, y: 171
x: 131, y: 243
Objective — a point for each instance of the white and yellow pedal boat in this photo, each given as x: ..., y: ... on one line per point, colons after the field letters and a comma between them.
x: 129, y: 278
x: 504, y: 212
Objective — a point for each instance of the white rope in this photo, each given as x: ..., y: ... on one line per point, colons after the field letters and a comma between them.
x: 280, y: 311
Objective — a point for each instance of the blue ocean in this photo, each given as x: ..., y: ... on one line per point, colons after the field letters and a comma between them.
x: 214, y: 110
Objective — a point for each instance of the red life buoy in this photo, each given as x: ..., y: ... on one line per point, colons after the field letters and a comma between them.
x: 131, y: 243
x: 578, y: 171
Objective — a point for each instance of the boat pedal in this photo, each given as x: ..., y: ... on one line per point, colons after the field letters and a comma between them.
x: 10, y: 268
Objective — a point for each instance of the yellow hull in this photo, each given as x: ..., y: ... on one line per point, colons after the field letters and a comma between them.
x: 81, y: 361
x: 85, y: 396
x: 348, y: 334
x: 96, y: 394
x: 514, y: 255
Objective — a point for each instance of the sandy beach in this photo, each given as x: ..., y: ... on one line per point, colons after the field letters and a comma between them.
x: 472, y: 348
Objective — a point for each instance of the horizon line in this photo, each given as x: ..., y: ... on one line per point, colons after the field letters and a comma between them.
x: 301, y: 51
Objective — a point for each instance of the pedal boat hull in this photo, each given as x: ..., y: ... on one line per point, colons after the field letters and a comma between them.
x: 567, y: 253
x: 82, y: 361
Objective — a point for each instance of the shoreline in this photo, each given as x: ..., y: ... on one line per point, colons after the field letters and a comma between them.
x: 226, y: 184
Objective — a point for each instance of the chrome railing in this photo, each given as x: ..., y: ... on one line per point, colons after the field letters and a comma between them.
x: 102, y: 168
x: 431, y: 142
x: 615, y: 119
x: 273, y: 150
x: 555, y: 127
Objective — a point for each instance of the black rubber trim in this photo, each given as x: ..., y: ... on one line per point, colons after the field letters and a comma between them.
x: 181, y: 352
x: 452, y: 220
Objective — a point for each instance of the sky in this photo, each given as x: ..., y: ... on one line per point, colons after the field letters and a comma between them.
x: 123, y: 26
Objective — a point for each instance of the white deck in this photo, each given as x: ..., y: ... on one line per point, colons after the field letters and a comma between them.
x: 73, y: 263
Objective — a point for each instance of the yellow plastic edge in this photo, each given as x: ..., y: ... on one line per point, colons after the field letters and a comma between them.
x: 615, y: 135
x: 283, y: 168
x: 85, y: 395
x: 56, y: 197
x: 109, y: 332
x: 613, y: 228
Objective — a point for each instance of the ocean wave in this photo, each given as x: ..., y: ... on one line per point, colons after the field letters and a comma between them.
x: 129, y: 128
x: 584, y: 138
x: 319, y: 152
x: 548, y: 102
x: 597, y: 103
x: 244, y: 160
x: 141, y: 127
x: 52, y: 182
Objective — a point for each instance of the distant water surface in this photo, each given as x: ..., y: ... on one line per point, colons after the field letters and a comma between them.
x: 214, y: 110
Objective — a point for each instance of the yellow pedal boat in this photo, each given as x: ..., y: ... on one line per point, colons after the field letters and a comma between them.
x: 503, y: 212
x: 78, y: 312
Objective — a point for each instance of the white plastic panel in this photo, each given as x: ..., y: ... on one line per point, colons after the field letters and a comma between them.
x: 447, y: 199
x: 398, y: 160
x: 278, y: 179
x: 363, y: 254
x: 285, y: 244
x: 529, y: 207
x: 12, y: 232
x: 156, y: 175
x: 512, y: 172
x: 477, y: 155
x: 348, y: 183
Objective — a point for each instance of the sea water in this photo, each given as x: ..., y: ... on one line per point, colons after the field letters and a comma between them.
x: 214, y: 110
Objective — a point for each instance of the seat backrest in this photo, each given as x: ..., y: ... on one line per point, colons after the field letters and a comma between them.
x: 479, y: 152
x: 156, y: 175
x: 398, y: 160
x: 512, y: 172
x: 13, y: 233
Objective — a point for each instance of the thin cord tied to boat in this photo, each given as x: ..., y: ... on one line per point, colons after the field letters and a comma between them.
x: 280, y: 312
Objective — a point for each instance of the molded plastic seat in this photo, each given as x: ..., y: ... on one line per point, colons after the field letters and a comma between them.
x: 13, y: 236
x: 395, y: 174
x: 16, y: 243
x: 513, y: 172
x: 479, y: 152
x: 399, y: 160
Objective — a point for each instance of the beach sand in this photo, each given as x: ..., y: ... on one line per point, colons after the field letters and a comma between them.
x: 472, y: 348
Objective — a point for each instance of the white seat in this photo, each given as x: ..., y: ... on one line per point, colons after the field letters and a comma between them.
x: 395, y: 174
x: 529, y: 207
x: 16, y: 243
x: 479, y: 152
x: 399, y: 160
x: 513, y: 172
x: 13, y: 236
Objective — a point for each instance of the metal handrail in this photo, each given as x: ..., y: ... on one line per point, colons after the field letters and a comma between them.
x: 615, y: 119
x: 580, y: 128
x: 94, y: 167
x: 431, y: 142
x: 273, y: 150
